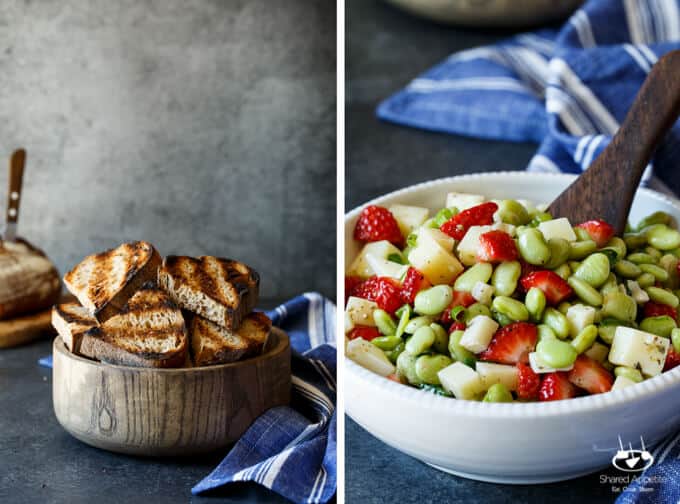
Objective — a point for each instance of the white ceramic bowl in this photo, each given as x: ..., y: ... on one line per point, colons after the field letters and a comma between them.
x: 510, y: 443
x: 506, y: 13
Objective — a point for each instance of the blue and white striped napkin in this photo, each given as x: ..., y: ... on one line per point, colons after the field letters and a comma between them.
x: 567, y: 90
x: 292, y: 450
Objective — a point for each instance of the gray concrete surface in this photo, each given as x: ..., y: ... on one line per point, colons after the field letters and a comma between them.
x: 205, y: 127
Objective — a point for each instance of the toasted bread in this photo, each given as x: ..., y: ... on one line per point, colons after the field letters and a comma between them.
x: 29, y: 282
x: 222, y: 291
x: 105, y: 282
x: 212, y: 344
x: 72, y: 321
x: 148, y: 332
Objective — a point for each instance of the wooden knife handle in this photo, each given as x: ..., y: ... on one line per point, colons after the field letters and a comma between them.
x: 16, y: 176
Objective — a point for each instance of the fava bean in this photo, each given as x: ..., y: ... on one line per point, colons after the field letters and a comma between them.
x: 505, y: 277
x: 606, y: 333
x: 675, y: 339
x: 653, y: 252
x: 476, y: 309
x: 421, y: 341
x: 594, y: 270
x: 656, y: 218
x: 441, y: 339
x: 627, y: 269
x: 618, y: 245
x: 544, y: 332
x: 532, y: 247
x: 511, y: 308
x: 628, y: 372
x: 634, y: 240
x: 535, y: 303
x: 585, y: 292
x: 585, y: 339
x: 497, y: 393
x: 406, y: 368
x: 662, y: 237
x: 563, y: 271
x: 610, y: 285
x: 659, y: 295
x: 641, y: 258
x: 645, y: 280
x: 581, y: 234
x: 434, y: 300
x: 658, y: 273
x: 563, y: 307
x: 557, y: 322
x: 662, y: 325
x: 427, y: 367
x: 580, y: 249
x: 555, y: 353
x: 620, y: 306
x: 559, y: 252
x: 416, y: 323
x: 513, y: 212
x: 386, y: 342
x: 459, y: 353
x: 404, y: 318
x: 480, y: 272
x: 384, y: 322
x: 502, y: 319
x: 394, y: 354
x: 539, y: 217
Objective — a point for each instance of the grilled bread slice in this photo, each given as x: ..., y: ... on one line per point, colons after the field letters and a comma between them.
x: 148, y: 332
x: 212, y: 344
x: 223, y: 291
x: 72, y: 322
x: 29, y: 282
x: 104, y: 282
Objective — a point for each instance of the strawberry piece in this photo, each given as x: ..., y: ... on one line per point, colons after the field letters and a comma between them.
x: 653, y: 309
x: 382, y: 290
x: 555, y: 288
x: 457, y: 326
x: 377, y: 223
x: 590, y: 375
x: 672, y: 359
x: 480, y: 215
x: 414, y: 282
x: 365, y: 332
x: 555, y: 387
x: 460, y: 298
x: 600, y: 231
x: 511, y: 344
x: 528, y: 382
x: 496, y: 246
x: 350, y: 283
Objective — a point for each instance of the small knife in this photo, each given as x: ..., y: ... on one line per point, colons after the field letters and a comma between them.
x: 16, y: 175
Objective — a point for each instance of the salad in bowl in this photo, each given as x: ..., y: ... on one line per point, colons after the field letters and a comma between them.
x: 496, y: 300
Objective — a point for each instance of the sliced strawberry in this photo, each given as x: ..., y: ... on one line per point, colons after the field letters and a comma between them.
x: 414, y: 282
x: 600, y: 231
x: 377, y: 223
x: 555, y: 288
x: 556, y: 386
x: 496, y: 246
x: 653, y: 309
x: 528, y: 382
x: 457, y: 326
x: 394, y: 377
x: 383, y: 290
x: 350, y: 283
x: 460, y: 298
x: 590, y: 375
x: 365, y: 332
x: 511, y: 344
x: 672, y: 359
x: 480, y: 215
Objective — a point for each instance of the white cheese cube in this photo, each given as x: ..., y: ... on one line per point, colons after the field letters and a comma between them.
x: 636, y: 292
x: 437, y: 264
x: 462, y: 381
x: 478, y: 333
x: 380, y: 249
x: 622, y: 382
x: 385, y: 268
x: 597, y: 352
x: 557, y: 228
x: 359, y: 311
x: 482, y: 292
x: 639, y: 349
x: 469, y: 245
x: 463, y: 201
x: 430, y: 236
x: 497, y: 373
x: 409, y: 217
x: 579, y: 316
x: 367, y: 355
x: 538, y: 366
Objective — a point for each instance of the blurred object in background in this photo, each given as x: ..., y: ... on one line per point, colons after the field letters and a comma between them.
x: 490, y: 13
x: 202, y: 127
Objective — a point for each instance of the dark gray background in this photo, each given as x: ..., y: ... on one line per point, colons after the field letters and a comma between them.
x: 385, y: 50
x: 205, y: 127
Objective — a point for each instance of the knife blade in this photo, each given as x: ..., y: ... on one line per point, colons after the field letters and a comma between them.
x: 16, y: 175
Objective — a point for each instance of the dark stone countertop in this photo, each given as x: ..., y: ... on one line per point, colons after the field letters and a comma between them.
x: 41, y: 462
x: 385, y: 50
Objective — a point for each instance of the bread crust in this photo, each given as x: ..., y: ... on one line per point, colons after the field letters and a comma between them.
x: 72, y: 321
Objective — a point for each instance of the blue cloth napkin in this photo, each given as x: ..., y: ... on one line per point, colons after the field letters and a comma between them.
x: 292, y: 450
x: 566, y: 89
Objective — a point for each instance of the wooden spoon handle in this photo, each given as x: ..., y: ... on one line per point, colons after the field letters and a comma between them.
x: 610, y: 182
x: 16, y: 175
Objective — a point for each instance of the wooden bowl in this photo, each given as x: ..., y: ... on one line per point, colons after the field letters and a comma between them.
x: 167, y: 412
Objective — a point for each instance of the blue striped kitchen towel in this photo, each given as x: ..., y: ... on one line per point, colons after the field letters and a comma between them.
x: 566, y: 89
x: 292, y: 450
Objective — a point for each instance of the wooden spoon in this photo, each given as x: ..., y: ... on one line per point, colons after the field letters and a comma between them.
x: 16, y: 175
x: 606, y: 189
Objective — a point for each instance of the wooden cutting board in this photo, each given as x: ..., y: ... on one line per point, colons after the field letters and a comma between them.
x: 27, y: 328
